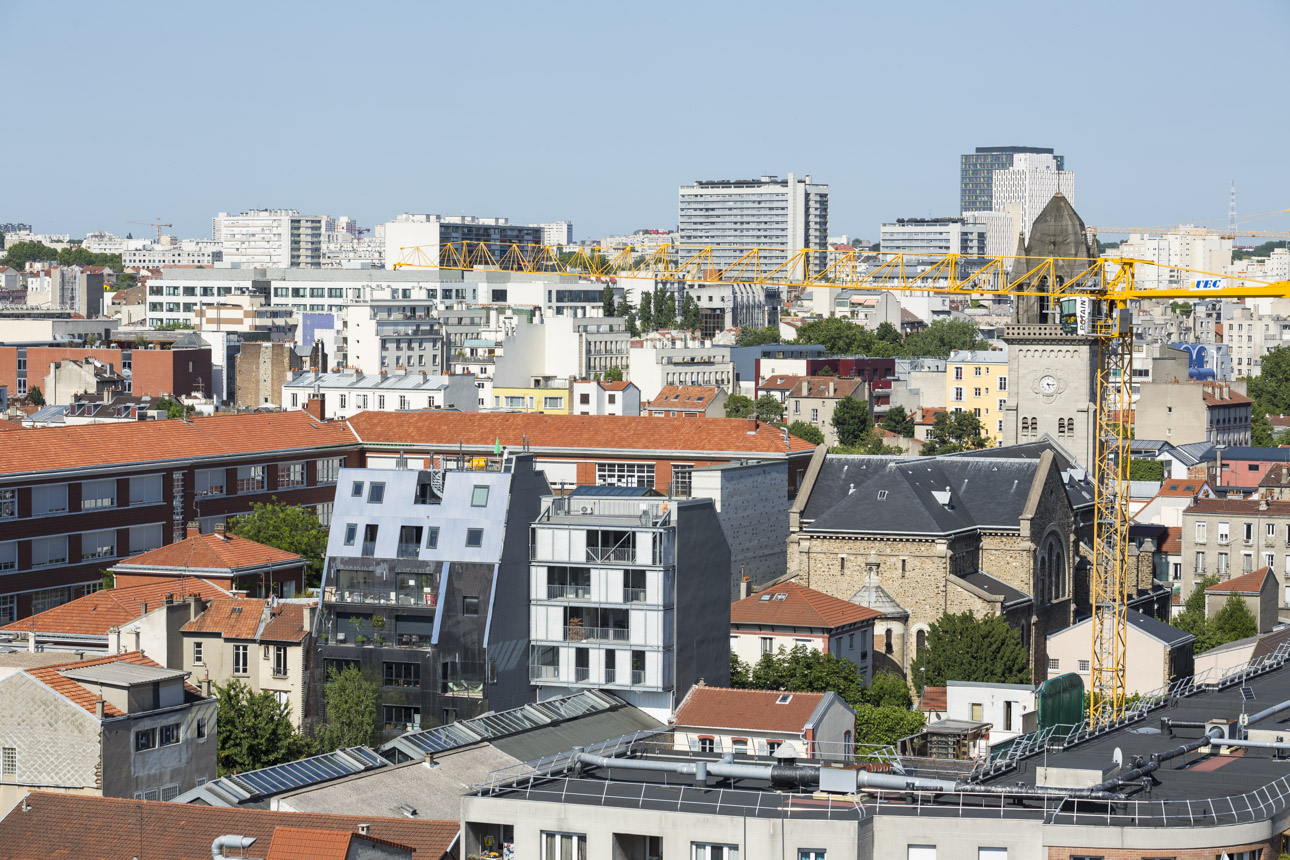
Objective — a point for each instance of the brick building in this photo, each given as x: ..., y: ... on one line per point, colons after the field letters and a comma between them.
x: 74, y: 500
x: 262, y: 369
x: 153, y: 372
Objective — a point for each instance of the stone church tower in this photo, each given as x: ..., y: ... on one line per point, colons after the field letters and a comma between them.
x: 1052, y: 377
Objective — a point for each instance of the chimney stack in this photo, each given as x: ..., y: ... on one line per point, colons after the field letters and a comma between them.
x: 315, y: 406
x: 193, y: 529
x: 192, y: 607
x: 219, y: 531
x: 745, y: 585
x: 98, y: 707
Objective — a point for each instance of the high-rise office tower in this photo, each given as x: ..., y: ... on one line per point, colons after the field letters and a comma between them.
x: 976, y: 173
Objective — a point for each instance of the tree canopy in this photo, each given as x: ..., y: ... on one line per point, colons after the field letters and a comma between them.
x: 843, y: 337
x: 254, y: 730
x: 351, y: 701
x: 898, y: 421
x: 768, y: 408
x: 291, y: 528
x: 1232, y: 621
x: 1146, y: 470
x: 851, y: 421
x: 35, y: 397
x: 965, y: 647
x: 20, y: 254
x: 1270, y: 390
x: 757, y: 336
x: 806, y: 431
x: 951, y: 432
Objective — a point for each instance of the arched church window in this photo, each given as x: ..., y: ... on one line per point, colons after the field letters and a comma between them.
x: 920, y: 642
x: 887, y: 647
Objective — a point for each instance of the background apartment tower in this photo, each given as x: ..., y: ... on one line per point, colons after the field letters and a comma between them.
x: 270, y: 238
x: 769, y: 212
x: 976, y: 173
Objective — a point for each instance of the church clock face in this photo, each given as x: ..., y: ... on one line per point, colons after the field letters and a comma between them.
x: 1048, y: 385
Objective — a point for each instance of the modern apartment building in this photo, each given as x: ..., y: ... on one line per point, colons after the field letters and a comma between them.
x: 976, y: 172
x: 977, y: 381
x: 427, y: 233
x: 934, y: 237
x: 349, y: 392
x: 628, y: 593
x: 425, y: 588
x: 1233, y: 537
x: 1023, y: 190
x: 557, y: 233
x: 731, y: 215
x: 74, y: 500
x: 270, y: 237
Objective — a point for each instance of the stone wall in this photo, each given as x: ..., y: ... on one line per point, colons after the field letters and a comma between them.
x: 57, y: 743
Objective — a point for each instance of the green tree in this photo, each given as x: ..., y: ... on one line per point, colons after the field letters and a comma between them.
x: 107, y: 580
x: 691, y: 314
x: 960, y: 431
x: 19, y: 254
x: 174, y: 409
x: 1233, y: 621
x: 664, y: 308
x: 851, y: 421
x: 806, y: 670
x: 827, y: 371
x: 739, y: 406
x: 887, y: 333
x: 291, y: 528
x: 963, y: 647
x: 614, y: 374
x: 1263, y: 250
x: 943, y: 337
x: 768, y: 408
x: 254, y: 730
x: 898, y: 421
x: 625, y: 310
x: 646, y: 314
x: 35, y: 397
x: 887, y: 689
x: 758, y: 336
x: 1146, y: 470
x: 808, y: 432
x: 1271, y: 388
x: 837, y: 336
x: 350, y: 710
x: 1261, y: 433
x: 607, y: 300
x: 884, y: 726
x: 1192, y: 619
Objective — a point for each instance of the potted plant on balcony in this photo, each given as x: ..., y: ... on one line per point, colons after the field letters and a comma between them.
x: 576, y: 631
x: 360, y: 639
x: 378, y: 622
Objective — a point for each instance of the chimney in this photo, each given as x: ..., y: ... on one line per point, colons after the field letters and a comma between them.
x: 206, y: 688
x: 193, y: 529
x: 830, y: 388
x: 315, y: 406
x: 364, y: 829
x: 192, y: 607
x: 745, y: 585
x: 219, y: 531
x: 98, y: 707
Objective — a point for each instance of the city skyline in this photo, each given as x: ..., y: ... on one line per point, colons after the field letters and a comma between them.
x: 372, y: 114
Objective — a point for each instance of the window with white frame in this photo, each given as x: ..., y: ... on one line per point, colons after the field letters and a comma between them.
x: 98, y: 494
x: 101, y: 544
x: 240, y: 659
x: 145, y: 490
x: 144, y: 538
x: 713, y: 851
x: 209, y: 482
x: 9, y: 762
x: 9, y: 505
x: 48, y: 551
x: 564, y: 846
x: 291, y: 475
x: 323, y: 512
x: 48, y: 598
x: 625, y: 475
x: 197, y: 652
x: 48, y: 499
x: 1200, y: 532
x: 329, y: 470
x: 552, y: 402
x: 250, y: 479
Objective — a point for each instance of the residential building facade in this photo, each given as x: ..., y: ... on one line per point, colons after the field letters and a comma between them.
x: 605, y: 398
x: 345, y: 393
x: 787, y: 615
x: 1186, y: 412
x: 269, y: 237
x: 976, y: 381
x: 934, y: 237
x: 1233, y: 537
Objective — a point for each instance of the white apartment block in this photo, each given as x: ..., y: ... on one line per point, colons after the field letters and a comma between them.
x: 593, y: 397
x: 628, y: 594
x: 557, y: 233
x: 1023, y: 190
x: 653, y: 368
x: 1251, y: 333
x: 270, y: 237
x: 564, y: 346
x: 1186, y: 248
x: 189, y: 252
x: 769, y: 212
x: 935, y: 236
x: 427, y: 232
x: 349, y: 392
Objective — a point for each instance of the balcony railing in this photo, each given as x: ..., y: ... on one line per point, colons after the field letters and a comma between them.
x: 616, y: 555
x: 405, y: 550
x: 581, y: 674
x: 595, y: 634
x: 387, y: 597
x: 568, y: 592
x: 610, y: 675
x: 638, y: 677
x: 633, y: 595
x: 369, y: 547
x: 543, y: 673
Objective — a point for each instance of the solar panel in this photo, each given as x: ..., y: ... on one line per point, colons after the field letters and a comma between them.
x: 308, y: 771
x: 1247, y: 693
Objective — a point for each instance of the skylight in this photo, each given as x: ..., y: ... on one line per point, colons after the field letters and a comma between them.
x: 784, y: 699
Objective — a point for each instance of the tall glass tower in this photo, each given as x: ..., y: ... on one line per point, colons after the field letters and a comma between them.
x: 976, y: 173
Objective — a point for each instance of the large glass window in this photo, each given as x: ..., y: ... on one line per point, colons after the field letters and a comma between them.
x: 48, y: 499
x: 291, y: 475
x: 711, y: 851
x: 144, y: 538
x: 568, y: 846
x: 625, y: 474
x: 8, y: 504
x: 209, y: 482
x: 49, y: 598
x: 400, y: 717
x: 145, y: 490
x: 9, y: 556
x: 250, y: 479
x: 240, y: 659
x: 100, y: 544
x: 98, y: 494
x: 402, y: 674
x: 49, y: 551
x: 329, y: 470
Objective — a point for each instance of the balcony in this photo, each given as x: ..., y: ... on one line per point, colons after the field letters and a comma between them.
x: 368, y: 596
x: 614, y: 555
x: 633, y: 595
x: 638, y: 677
x: 404, y: 550
x: 369, y: 547
x: 543, y: 673
x: 581, y: 675
x: 568, y: 592
x: 578, y: 633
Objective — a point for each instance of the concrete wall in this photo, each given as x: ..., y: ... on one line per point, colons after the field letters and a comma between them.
x: 702, y: 611
x: 994, y: 700
x: 126, y: 772
x: 57, y: 742
x: 752, y: 501
x: 261, y: 371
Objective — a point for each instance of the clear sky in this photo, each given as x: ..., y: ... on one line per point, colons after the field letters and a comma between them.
x: 596, y: 112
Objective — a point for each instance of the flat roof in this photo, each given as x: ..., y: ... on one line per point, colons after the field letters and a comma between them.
x: 122, y: 674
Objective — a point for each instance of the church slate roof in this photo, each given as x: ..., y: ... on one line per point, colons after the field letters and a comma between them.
x: 895, y: 495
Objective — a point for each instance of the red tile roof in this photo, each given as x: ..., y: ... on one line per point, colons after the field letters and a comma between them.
x: 239, y: 618
x: 1238, y: 506
x: 1250, y: 583
x: 211, y: 552
x: 934, y: 699
x: 137, y: 442
x: 616, y: 433
x: 800, y: 607
x: 750, y: 710
x: 94, y: 614
x: 102, y: 828
x: 1180, y: 489
x: 1172, y: 542
x: 1222, y: 395
x: 76, y: 694
x: 304, y: 843
x: 817, y: 386
x: 684, y: 397
x: 615, y: 386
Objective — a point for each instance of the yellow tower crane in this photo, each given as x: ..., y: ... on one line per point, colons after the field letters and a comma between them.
x: 1096, y: 301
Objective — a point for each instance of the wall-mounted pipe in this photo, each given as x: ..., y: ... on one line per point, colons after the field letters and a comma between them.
x: 241, y: 843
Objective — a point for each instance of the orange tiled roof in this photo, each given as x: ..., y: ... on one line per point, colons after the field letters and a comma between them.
x: 1179, y: 489
x: 239, y: 618
x: 69, y: 825
x: 1250, y: 583
x: 132, y: 442
x: 684, y: 397
x: 76, y: 694
x: 1172, y: 543
x: 615, y: 386
x: 94, y: 614
x: 800, y: 607
x: 305, y: 843
x: 1238, y: 506
x: 211, y: 552
x: 934, y: 699
x: 618, y: 433
x: 750, y: 710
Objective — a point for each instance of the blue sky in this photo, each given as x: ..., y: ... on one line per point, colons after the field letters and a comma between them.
x: 596, y: 112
